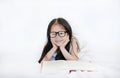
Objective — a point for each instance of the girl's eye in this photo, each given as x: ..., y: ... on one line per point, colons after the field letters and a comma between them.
x: 61, y: 33
x: 53, y: 34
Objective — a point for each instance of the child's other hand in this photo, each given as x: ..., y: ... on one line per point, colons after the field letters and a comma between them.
x: 53, y: 44
x: 65, y: 42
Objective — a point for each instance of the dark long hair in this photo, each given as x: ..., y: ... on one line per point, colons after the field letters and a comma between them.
x: 48, y: 45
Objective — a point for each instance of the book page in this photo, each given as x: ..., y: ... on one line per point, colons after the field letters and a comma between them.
x: 79, y: 65
x: 65, y: 66
x: 53, y: 66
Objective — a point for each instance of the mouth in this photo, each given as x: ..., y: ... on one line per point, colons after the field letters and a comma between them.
x: 59, y: 42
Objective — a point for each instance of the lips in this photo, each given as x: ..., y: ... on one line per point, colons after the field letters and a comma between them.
x: 59, y: 42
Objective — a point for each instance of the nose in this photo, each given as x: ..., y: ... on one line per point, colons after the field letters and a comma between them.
x: 57, y: 36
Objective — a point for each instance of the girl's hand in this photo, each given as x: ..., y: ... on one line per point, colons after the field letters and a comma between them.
x: 53, y: 44
x: 65, y: 42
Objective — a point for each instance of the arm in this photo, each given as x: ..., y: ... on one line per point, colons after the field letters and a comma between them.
x: 73, y: 55
x: 67, y: 55
x: 75, y: 48
x: 49, y: 54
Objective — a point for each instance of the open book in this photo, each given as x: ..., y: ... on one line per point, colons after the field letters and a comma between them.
x: 65, y: 66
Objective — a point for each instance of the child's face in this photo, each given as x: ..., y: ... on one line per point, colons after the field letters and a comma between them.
x: 58, y: 34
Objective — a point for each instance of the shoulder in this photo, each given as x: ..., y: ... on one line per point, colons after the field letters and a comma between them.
x: 75, y: 43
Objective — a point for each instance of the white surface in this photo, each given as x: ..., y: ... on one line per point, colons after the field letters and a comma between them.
x: 23, y: 25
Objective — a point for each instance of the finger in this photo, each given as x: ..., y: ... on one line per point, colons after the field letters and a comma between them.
x: 54, y: 42
x: 51, y: 41
x: 67, y: 40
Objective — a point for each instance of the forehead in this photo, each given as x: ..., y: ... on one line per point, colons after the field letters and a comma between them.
x: 57, y: 27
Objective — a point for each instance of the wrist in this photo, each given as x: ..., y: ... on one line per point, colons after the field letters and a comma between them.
x: 54, y: 48
x: 62, y: 47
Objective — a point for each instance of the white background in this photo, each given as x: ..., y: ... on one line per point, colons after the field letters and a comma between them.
x: 23, y: 27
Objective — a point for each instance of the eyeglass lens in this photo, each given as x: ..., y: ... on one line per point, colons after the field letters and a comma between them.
x: 60, y: 33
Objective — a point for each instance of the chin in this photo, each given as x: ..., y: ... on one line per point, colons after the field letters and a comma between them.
x: 59, y: 44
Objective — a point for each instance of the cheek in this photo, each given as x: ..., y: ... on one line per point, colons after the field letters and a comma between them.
x: 53, y: 39
x: 64, y: 38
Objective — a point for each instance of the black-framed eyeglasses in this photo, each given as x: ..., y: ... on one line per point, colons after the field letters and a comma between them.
x: 60, y: 33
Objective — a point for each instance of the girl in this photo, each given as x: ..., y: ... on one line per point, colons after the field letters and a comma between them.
x: 61, y: 45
